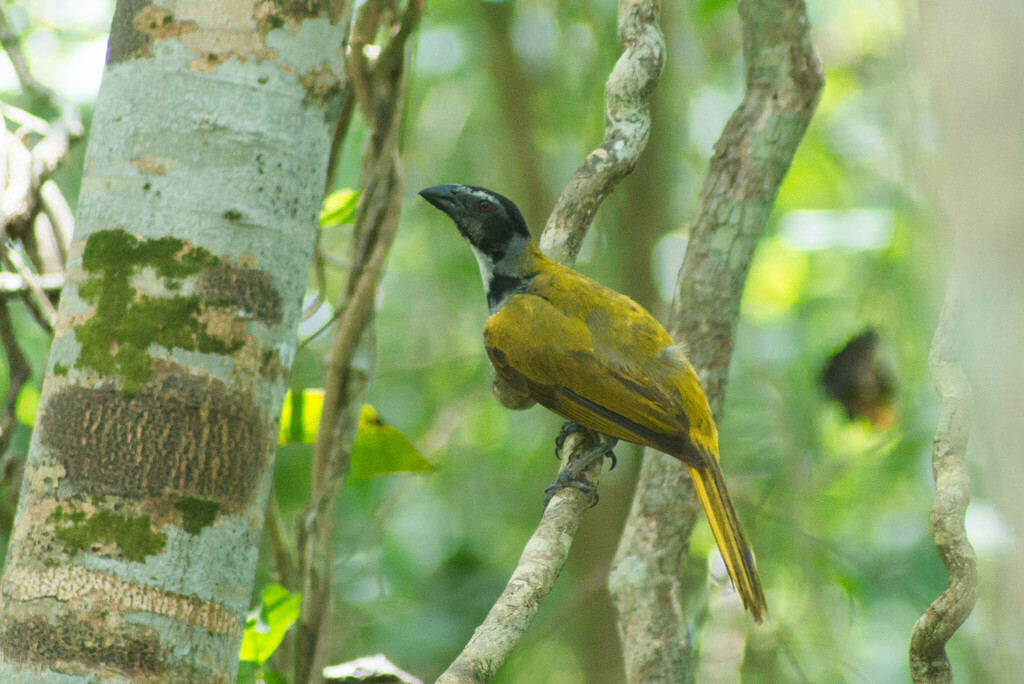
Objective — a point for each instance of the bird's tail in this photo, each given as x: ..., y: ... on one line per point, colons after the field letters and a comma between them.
x: 725, y: 526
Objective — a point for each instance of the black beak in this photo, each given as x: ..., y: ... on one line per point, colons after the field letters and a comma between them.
x: 441, y: 196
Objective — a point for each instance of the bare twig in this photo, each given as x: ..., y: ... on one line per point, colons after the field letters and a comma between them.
x: 13, y: 285
x: 62, y: 220
x: 783, y: 81
x: 32, y: 209
x: 535, y: 573
x: 12, y: 46
x: 378, y: 87
x: 283, y: 564
x: 627, y: 126
x: 39, y: 298
x: 49, y: 151
x: 341, y: 127
x: 928, y: 661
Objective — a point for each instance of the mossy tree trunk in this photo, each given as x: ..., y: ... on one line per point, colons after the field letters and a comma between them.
x: 134, y: 547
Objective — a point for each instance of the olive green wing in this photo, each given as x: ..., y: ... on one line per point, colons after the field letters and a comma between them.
x: 551, y: 356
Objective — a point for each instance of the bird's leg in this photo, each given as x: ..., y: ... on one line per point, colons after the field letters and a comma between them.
x: 569, y: 476
x: 568, y: 428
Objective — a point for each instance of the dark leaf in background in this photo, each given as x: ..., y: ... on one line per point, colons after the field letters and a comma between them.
x: 860, y: 379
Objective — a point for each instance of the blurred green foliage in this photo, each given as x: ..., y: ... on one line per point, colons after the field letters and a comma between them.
x: 265, y: 629
x: 837, y: 512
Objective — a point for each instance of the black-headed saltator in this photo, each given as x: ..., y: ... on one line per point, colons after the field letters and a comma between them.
x: 596, y: 358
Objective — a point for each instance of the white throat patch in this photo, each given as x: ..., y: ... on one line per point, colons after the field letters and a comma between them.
x: 486, y: 266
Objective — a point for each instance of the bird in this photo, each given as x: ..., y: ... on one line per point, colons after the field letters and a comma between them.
x: 596, y: 358
x: 861, y: 379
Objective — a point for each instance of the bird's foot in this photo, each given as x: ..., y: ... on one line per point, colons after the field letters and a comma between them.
x: 611, y: 454
x: 566, y: 479
x: 568, y: 428
x: 570, y: 476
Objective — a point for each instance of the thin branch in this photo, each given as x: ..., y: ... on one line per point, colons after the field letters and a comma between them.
x: 32, y: 208
x: 283, y: 563
x: 62, y: 220
x: 783, y: 82
x: 12, y: 46
x: 535, y: 573
x: 38, y: 296
x: 56, y: 139
x: 627, y: 127
x: 14, y: 285
x: 341, y: 127
x: 378, y: 87
x: 928, y: 661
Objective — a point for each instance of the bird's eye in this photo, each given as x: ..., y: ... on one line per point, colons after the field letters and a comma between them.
x: 484, y: 206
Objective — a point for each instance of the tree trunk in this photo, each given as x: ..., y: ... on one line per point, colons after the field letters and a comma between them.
x: 135, y: 542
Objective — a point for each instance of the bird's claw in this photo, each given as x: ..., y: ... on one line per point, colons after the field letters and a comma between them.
x: 568, y: 428
x: 564, y: 480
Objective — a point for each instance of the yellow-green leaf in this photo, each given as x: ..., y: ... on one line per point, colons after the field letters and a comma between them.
x: 300, y: 416
x: 267, y: 625
x: 381, y: 449
x: 27, y: 405
x: 339, y: 207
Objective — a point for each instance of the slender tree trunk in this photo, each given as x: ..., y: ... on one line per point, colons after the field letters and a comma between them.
x: 977, y: 97
x: 751, y: 158
x: 135, y: 542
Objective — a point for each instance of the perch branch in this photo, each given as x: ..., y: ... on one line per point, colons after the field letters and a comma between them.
x: 627, y: 95
x: 535, y: 573
x: 783, y: 81
x: 928, y: 661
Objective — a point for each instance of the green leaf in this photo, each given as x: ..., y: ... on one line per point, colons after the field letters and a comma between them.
x: 339, y: 207
x: 271, y: 677
x: 27, y: 405
x: 266, y: 626
x: 246, y: 673
x: 381, y: 449
x: 300, y: 416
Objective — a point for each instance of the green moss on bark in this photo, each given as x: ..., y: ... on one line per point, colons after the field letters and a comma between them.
x: 134, y: 536
x: 115, y: 340
x: 196, y: 513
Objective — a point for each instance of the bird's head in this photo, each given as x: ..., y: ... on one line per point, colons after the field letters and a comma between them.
x: 491, y: 222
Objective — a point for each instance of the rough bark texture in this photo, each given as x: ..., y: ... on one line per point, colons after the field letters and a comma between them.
x: 751, y: 158
x: 928, y: 660
x: 135, y: 543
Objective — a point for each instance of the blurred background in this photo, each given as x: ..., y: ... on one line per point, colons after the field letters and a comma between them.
x: 510, y: 96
